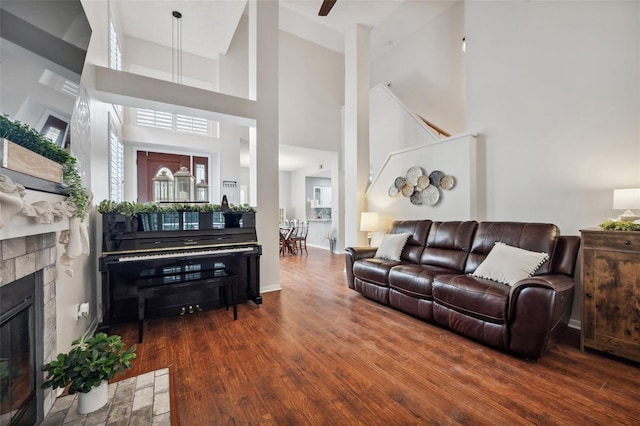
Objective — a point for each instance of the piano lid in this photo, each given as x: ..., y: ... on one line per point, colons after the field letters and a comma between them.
x: 175, y: 230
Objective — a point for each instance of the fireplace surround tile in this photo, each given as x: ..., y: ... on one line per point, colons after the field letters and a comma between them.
x: 7, y: 271
x: 13, y: 248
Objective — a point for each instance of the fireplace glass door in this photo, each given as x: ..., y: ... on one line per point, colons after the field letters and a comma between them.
x: 17, y: 354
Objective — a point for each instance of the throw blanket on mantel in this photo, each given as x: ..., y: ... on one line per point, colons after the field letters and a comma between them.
x: 76, y: 238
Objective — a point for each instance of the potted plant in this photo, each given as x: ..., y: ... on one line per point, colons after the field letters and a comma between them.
x: 87, y: 367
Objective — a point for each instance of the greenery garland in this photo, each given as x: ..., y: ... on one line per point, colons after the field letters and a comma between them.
x: 128, y: 208
x: 24, y: 135
x: 620, y: 225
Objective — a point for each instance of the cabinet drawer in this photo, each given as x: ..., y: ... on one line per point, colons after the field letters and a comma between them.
x: 614, y: 240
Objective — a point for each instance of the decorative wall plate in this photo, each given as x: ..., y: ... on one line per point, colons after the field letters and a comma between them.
x: 393, y: 191
x: 416, y: 198
x: 399, y: 182
x: 407, y: 190
x: 413, y: 174
x: 435, y: 176
x: 447, y: 182
x: 423, y: 182
x: 430, y: 195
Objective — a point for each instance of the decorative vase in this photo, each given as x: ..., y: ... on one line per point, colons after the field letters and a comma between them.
x: 232, y: 219
x: 93, y: 400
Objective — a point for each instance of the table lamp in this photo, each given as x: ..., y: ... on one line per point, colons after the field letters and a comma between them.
x: 627, y: 199
x: 369, y: 223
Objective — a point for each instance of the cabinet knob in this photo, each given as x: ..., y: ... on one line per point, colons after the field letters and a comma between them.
x: 589, y: 295
x: 628, y: 243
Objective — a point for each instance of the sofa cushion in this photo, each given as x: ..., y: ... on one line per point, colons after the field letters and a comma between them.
x: 476, y: 297
x: 448, y: 244
x: 415, y: 244
x: 508, y: 265
x: 538, y: 237
x: 391, y: 246
x: 374, y: 270
x: 415, y: 280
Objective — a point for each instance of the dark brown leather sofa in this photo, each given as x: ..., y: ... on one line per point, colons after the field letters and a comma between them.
x: 433, y: 281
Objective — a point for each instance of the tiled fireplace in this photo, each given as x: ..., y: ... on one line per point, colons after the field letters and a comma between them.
x: 27, y: 325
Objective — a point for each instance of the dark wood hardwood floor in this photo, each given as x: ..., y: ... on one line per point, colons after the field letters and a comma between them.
x: 318, y: 353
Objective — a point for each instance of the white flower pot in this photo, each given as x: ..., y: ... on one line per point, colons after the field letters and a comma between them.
x: 93, y: 400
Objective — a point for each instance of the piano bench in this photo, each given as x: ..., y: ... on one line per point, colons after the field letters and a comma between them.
x: 227, y: 285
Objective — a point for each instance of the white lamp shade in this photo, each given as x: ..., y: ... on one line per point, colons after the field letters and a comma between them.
x: 369, y: 221
x: 626, y: 198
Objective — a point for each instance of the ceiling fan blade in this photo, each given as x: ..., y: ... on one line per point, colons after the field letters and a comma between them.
x: 326, y: 7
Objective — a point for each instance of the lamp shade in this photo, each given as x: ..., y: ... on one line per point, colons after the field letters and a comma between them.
x: 626, y: 198
x: 369, y: 221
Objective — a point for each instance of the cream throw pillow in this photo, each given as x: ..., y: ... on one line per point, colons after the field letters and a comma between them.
x: 508, y: 265
x: 391, y: 246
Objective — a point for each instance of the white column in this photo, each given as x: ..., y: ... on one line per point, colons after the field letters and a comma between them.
x: 356, y: 131
x: 263, y: 139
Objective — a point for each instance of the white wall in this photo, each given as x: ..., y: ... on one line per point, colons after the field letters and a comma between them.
x: 426, y: 70
x: 311, y: 94
x: 552, y: 88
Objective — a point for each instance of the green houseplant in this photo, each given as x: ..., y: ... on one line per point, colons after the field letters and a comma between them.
x: 90, y: 363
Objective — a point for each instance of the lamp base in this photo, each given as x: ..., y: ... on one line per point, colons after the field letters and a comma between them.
x: 368, y: 239
x: 628, y: 216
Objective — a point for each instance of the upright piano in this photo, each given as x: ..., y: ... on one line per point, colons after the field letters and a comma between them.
x: 177, y: 253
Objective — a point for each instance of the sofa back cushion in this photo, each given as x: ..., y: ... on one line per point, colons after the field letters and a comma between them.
x: 448, y: 244
x: 538, y: 237
x: 418, y: 230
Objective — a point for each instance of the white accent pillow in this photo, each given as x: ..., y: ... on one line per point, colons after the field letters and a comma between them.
x: 391, y: 246
x: 508, y: 265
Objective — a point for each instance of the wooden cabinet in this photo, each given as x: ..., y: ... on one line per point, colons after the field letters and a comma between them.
x: 611, y: 292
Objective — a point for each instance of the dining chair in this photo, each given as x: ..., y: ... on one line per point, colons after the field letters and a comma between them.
x: 300, y: 239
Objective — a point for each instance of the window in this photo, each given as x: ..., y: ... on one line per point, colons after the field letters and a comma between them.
x: 185, y: 123
x: 157, y: 119
x: 168, y: 121
x: 54, y: 129
x: 116, y: 163
x: 115, y: 55
x: 201, y: 172
x: 243, y: 194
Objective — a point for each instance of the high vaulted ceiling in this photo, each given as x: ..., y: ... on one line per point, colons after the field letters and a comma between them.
x: 208, y: 25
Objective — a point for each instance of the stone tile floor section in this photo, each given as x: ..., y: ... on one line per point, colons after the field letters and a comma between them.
x: 138, y: 401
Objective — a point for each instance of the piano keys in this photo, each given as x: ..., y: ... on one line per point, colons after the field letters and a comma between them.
x: 135, y: 258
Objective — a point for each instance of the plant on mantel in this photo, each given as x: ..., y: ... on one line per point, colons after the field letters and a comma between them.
x: 24, y: 135
x: 128, y: 208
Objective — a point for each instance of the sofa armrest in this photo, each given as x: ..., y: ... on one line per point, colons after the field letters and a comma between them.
x: 351, y: 254
x: 539, y: 310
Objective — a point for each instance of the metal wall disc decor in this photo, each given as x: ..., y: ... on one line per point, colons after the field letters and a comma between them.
x: 435, y: 176
x: 447, y: 182
x: 407, y: 190
x: 399, y: 182
x: 413, y: 174
x: 420, y: 187
x: 423, y: 182
x: 430, y: 195
x: 415, y: 198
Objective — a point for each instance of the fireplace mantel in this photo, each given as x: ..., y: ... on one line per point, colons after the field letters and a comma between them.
x: 22, y: 226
